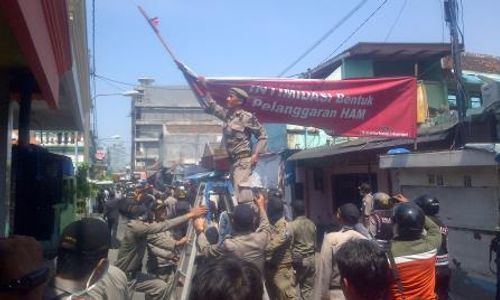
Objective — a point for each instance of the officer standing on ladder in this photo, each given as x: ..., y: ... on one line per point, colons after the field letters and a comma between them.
x: 238, y: 128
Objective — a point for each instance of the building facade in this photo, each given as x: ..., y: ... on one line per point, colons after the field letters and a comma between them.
x: 169, y: 127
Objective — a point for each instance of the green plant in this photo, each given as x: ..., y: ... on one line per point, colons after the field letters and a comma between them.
x: 83, y: 187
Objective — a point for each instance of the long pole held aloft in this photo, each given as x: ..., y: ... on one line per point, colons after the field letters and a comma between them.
x: 196, y: 89
x: 158, y: 34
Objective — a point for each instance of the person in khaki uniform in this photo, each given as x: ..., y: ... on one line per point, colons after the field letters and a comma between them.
x: 279, y: 273
x: 245, y: 242
x: 327, y: 281
x: 162, y: 249
x: 133, y: 247
x: 303, y: 249
x: 238, y: 128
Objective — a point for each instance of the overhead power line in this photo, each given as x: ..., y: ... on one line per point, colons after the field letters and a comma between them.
x: 326, y: 35
x: 356, y: 30
x: 115, y: 81
x: 396, y: 21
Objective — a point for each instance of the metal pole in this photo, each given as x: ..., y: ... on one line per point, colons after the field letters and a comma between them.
x: 456, y: 36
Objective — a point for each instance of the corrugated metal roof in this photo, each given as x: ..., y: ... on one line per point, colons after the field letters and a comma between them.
x: 364, y: 144
x: 386, y: 51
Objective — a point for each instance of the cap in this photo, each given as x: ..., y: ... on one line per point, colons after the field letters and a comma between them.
x: 349, y: 213
x: 159, y: 205
x: 86, y: 236
x: 240, y: 93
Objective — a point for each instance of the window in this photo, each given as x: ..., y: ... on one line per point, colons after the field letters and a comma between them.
x: 431, y: 179
x: 475, y: 102
x: 452, y: 101
x: 467, y: 181
x: 440, y: 180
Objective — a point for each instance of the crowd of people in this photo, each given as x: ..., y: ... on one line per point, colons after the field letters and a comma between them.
x: 388, y: 248
x: 394, y: 249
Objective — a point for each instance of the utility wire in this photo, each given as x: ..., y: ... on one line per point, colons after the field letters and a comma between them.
x: 94, y: 92
x: 443, y: 22
x: 356, y: 30
x: 114, y: 80
x: 326, y: 35
x: 396, y: 21
x: 114, y: 85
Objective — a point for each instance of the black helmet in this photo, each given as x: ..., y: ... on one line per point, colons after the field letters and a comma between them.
x: 408, y: 220
x: 428, y: 203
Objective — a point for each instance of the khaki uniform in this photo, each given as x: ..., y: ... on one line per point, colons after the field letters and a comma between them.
x: 280, y: 277
x: 238, y: 128
x: 170, y: 203
x: 327, y: 281
x: 247, y: 246
x: 112, y: 285
x: 162, y: 256
x: 131, y: 253
x: 303, y: 249
x: 367, y: 208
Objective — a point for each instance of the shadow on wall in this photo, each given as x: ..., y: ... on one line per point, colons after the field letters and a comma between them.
x: 465, y: 287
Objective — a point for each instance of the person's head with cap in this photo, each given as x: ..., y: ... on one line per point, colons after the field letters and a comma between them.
x: 160, y: 210
x: 83, y: 249
x: 348, y: 214
x: 236, y: 97
x: 382, y: 201
x: 274, y: 206
x: 243, y: 218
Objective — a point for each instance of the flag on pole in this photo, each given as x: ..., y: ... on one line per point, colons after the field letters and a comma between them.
x: 155, y: 21
x: 198, y: 89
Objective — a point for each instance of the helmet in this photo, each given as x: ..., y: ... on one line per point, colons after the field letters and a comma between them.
x: 408, y: 220
x: 428, y: 203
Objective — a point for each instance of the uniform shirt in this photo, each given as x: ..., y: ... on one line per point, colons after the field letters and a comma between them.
x: 113, y: 285
x: 161, y: 251
x: 279, y: 249
x: 415, y: 261
x: 304, y: 236
x: 133, y: 245
x: 237, y: 129
x: 170, y: 203
x: 442, y: 253
x: 367, y: 205
x: 327, y: 274
x: 247, y: 246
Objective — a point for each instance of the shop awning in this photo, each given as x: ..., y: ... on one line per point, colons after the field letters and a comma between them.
x: 41, y: 32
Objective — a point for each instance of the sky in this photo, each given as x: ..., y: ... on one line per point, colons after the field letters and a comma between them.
x: 253, y: 38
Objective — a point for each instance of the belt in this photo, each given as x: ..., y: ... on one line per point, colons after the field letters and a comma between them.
x: 243, y: 154
x: 165, y: 269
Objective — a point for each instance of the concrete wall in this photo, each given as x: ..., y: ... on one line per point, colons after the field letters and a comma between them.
x: 353, y: 68
x: 469, y: 199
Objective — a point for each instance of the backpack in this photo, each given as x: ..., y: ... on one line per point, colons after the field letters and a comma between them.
x: 382, y: 225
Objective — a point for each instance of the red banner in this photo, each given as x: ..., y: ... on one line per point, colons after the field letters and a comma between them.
x: 385, y: 107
